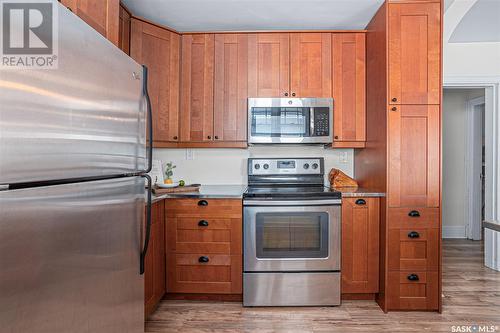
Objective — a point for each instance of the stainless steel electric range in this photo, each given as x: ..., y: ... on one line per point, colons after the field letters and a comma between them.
x: 291, y: 234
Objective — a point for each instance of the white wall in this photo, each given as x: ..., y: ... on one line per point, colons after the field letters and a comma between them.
x: 229, y: 166
x: 454, y: 184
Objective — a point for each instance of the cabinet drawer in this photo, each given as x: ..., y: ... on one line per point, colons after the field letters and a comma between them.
x: 204, y: 235
x: 205, y: 273
x: 415, y: 290
x: 413, y: 249
x: 204, y: 208
x: 413, y: 218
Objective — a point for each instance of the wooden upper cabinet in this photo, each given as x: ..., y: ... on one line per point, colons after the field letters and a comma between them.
x: 124, y: 30
x: 158, y: 49
x: 414, y: 155
x: 360, y: 245
x: 310, y: 65
x: 268, y: 65
x: 230, y: 87
x: 102, y: 15
x: 349, y: 89
x: 414, y: 53
x: 197, y: 88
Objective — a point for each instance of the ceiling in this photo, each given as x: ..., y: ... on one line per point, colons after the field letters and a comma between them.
x: 225, y: 15
x: 480, y: 24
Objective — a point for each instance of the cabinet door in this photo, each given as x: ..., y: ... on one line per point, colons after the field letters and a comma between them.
x: 230, y: 87
x: 124, y: 30
x: 155, y: 273
x: 268, y: 65
x: 349, y: 90
x: 102, y: 15
x: 414, y: 161
x: 197, y: 88
x: 360, y: 245
x: 158, y: 49
x: 311, y: 64
x: 414, y: 53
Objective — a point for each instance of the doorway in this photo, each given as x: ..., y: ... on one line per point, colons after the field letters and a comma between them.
x: 463, y: 162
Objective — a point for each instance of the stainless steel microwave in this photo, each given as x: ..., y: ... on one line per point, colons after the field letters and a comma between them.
x: 290, y: 120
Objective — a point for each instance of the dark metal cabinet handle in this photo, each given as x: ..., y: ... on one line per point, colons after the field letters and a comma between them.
x: 203, y: 259
x: 336, y: 137
x: 175, y: 137
x: 394, y: 99
x: 203, y: 223
x: 286, y: 94
x: 413, y: 234
x: 360, y: 202
x: 203, y: 203
x: 216, y: 137
x: 413, y: 277
x: 414, y: 213
x: 293, y: 94
x: 209, y: 137
x: 394, y: 108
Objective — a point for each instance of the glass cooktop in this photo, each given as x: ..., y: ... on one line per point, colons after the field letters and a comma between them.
x: 291, y: 192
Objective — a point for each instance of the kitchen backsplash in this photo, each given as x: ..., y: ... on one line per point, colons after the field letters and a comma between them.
x: 229, y: 166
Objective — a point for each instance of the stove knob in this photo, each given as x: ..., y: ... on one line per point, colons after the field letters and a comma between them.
x: 306, y: 166
x: 266, y: 166
x: 257, y: 166
x: 315, y: 165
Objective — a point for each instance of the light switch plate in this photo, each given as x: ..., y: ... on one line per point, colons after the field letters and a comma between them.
x: 189, y: 154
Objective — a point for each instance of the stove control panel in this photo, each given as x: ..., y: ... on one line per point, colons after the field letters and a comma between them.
x: 285, y: 166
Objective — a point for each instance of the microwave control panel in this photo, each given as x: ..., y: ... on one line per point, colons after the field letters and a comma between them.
x: 321, y: 121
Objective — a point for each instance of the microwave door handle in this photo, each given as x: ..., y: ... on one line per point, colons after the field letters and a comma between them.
x: 311, y: 121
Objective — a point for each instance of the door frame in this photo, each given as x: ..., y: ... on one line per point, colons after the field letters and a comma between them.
x: 491, y: 84
x: 473, y: 227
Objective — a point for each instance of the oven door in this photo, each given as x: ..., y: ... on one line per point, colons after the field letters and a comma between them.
x: 291, y: 236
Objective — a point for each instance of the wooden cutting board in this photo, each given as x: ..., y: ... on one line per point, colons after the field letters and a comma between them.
x: 178, y: 189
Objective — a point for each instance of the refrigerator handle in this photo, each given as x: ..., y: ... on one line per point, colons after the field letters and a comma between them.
x: 149, y: 118
x: 148, y: 225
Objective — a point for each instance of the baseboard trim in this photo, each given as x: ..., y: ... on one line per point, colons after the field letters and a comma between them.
x: 454, y: 232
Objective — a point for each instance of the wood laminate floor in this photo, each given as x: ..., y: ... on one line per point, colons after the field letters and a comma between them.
x: 471, y: 297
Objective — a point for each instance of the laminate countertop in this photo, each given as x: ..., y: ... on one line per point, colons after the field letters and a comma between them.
x: 208, y: 191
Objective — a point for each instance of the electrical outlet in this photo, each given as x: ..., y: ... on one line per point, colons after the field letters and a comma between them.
x: 344, y: 157
x: 189, y: 154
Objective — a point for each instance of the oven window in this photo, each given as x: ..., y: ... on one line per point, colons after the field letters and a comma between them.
x: 280, y: 121
x: 292, y: 235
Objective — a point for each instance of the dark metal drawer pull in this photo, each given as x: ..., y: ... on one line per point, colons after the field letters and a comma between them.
x: 413, y: 234
x: 203, y: 203
x: 203, y: 223
x: 413, y: 277
x: 414, y: 213
x: 361, y: 202
x: 203, y: 259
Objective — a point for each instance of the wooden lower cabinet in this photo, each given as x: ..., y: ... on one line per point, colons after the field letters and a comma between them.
x: 204, y: 246
x: 360, y: 245
x: 155, y: 273
x: 413, y: 290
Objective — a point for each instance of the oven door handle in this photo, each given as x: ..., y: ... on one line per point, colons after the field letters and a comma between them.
x: 328, y: 202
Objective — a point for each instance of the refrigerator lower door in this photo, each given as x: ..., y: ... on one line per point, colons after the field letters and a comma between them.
x: 87, y: 118
x: 69, y: 258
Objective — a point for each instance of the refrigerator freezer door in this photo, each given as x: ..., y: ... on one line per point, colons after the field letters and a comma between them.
x: 86, y: 118
x: 69, y: 258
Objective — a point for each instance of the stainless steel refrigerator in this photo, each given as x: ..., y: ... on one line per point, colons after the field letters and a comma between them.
x: 73, y: 154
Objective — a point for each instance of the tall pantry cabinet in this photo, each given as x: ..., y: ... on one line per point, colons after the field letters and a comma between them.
x: 404, y: 39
